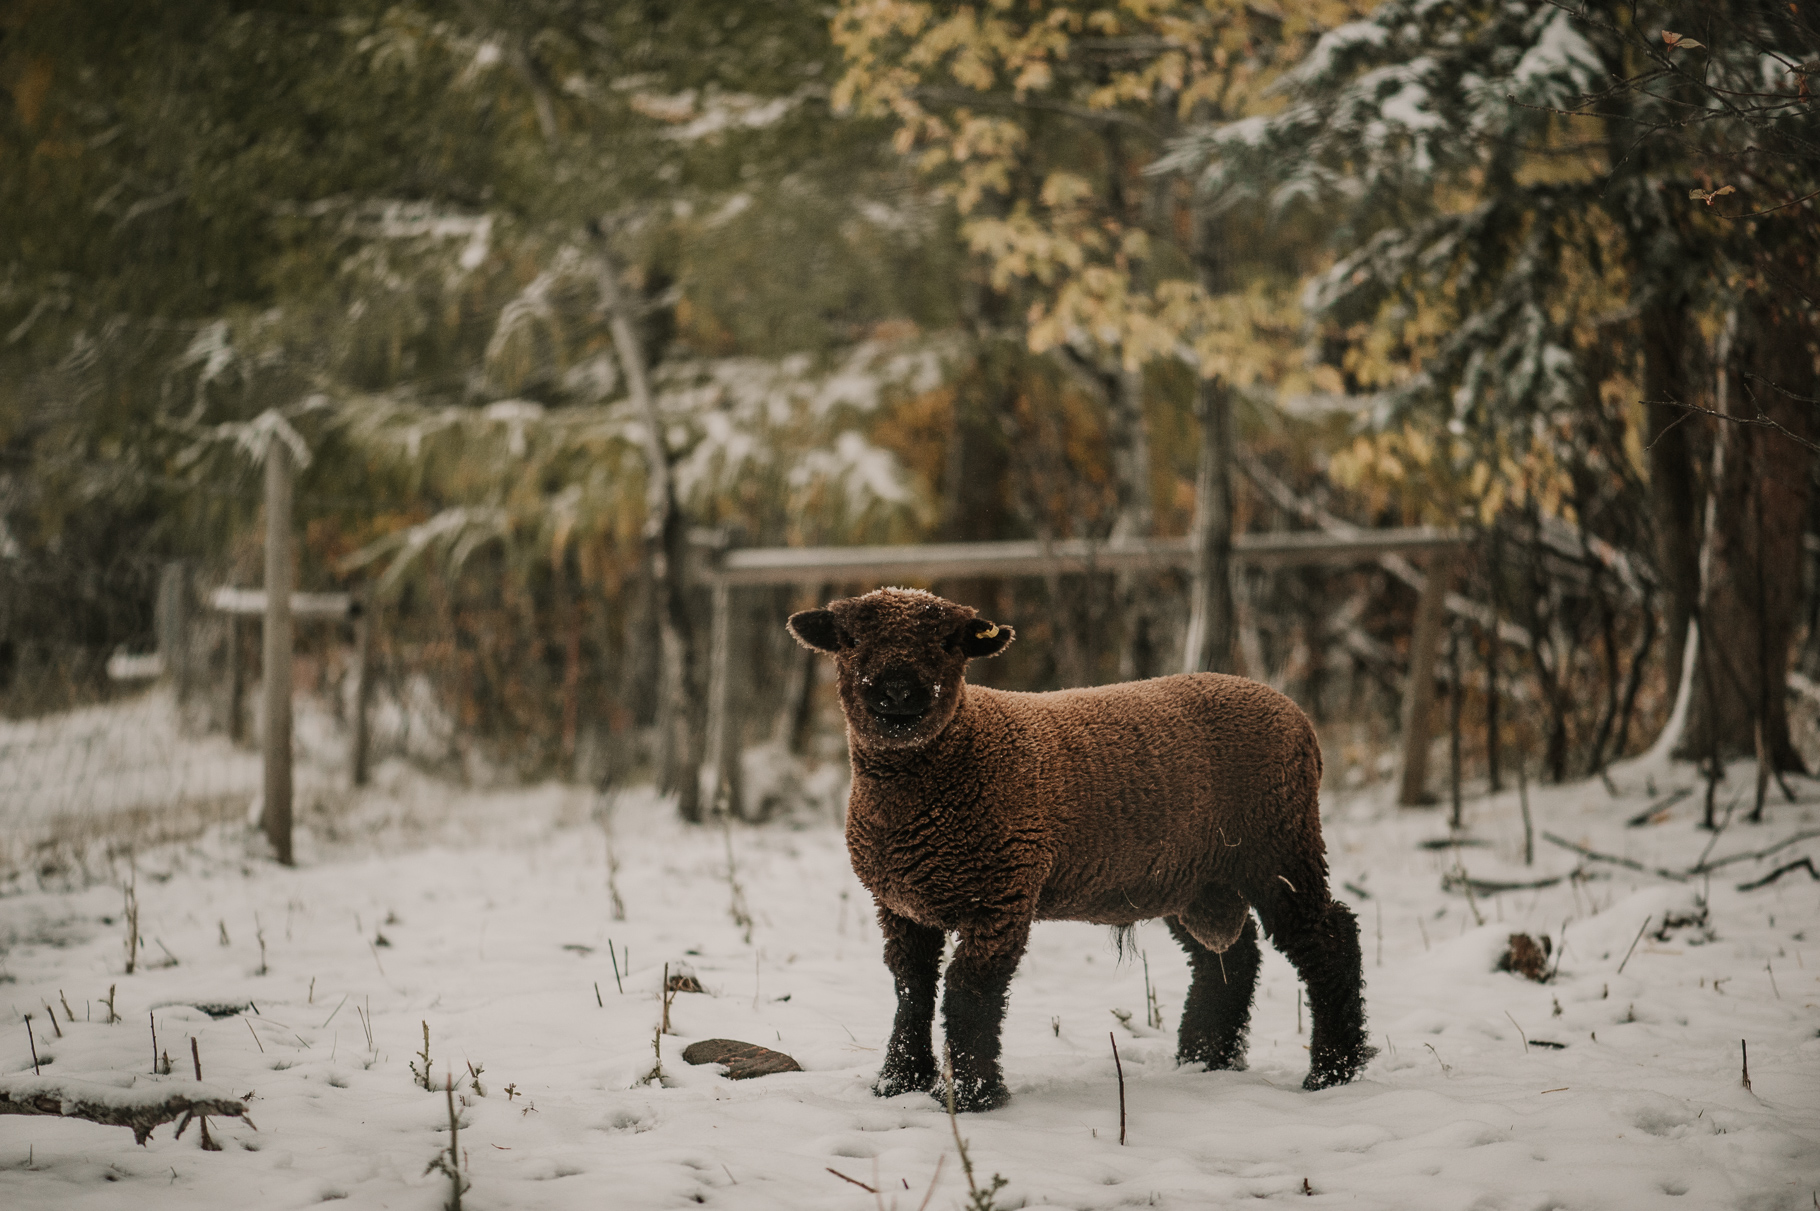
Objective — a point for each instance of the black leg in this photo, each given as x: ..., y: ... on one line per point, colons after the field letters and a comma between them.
x: 1217, y: 1015
x: 1321, y: 938
x: 973, y: 1011
x: 914, y: 954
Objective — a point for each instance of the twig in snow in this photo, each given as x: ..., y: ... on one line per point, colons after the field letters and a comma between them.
x: 255, y: 1034
x: 1529, y: 832
x: 1520, y: 1033
x: 338, y: 1005
x: 52, y: 1015
x: 1804, y: 835
x: 1596, y: 856
x: 1648, y: 815
x: 1454, y: 880
x: 130, y: 911
x: 1120, y: 1069
x: 1633, y: 943
x: 854, y: 1180
x: 1700, y: 866
x: 1744, y: 1053
x: 202, y: 1120
x: 423, y: 1078
x: 450, y: 1161
x: 614, y: 955
x: 33, y: 1043
x: 1559, y: 951
x: 1153, y: 1012
x: 982, y: 1200
x: 1806, y: 864
x: 933, y: 1179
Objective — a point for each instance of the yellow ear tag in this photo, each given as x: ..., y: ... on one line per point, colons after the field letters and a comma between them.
x: 991, y: 631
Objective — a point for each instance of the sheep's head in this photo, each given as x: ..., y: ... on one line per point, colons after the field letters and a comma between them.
x: 901, y: 656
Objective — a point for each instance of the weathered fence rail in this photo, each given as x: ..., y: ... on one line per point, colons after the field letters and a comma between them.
x: 728, y: 568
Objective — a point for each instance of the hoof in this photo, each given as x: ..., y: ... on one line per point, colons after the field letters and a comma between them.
x: 890, y: 1084
x: 1338, y: 1071
x: 972, y: 1097
x: 1214, y: 1061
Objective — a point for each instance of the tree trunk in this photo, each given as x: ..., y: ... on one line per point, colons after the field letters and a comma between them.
x: 1752, y: 596
x: 975, y: 505
x: 1673, y: 485
x: 666, y: 545
x: 1135, y: 519
x: 1208, y: 646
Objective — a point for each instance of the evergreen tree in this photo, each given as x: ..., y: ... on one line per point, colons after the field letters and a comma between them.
x: 1537, y: 207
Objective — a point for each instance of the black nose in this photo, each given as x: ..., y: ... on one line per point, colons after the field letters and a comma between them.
x: 898, y: 694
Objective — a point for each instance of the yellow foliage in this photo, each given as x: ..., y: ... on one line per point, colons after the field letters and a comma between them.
x: 969, y: 85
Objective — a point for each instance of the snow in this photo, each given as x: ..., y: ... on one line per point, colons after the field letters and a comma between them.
x: 1338, y: 44
x: 487, y: 915
x: 1559, y: 68
x: 124, y: 1093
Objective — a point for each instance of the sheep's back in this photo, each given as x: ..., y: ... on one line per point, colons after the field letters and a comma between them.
x: 1149, y: 791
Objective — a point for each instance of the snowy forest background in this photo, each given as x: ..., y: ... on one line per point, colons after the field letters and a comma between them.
x: 547, y: 303
x: 919, y: 273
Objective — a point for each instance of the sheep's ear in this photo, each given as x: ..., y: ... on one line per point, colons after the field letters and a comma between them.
x: 815, y: 629
x: 983, y: 638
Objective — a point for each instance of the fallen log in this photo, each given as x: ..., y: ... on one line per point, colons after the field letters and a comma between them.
x: 142, y: 1109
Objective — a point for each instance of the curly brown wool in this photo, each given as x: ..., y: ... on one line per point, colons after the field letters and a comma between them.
x: 977, y: 811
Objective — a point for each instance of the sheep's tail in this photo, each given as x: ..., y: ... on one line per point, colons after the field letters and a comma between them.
x: 1124, y: 941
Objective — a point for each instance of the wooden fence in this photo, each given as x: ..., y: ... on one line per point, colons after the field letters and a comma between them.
x: 729, y: 568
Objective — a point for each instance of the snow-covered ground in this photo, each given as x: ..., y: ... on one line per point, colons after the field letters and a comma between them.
x: 490, y: 917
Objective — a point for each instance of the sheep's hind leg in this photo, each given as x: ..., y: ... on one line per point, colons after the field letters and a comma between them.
x: 914, y: 954
x: 973, y: 1011
x: 1321, y: 939
x: 1217, y: 1015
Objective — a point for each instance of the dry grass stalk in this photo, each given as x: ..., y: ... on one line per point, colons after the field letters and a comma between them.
x: 1119, y: 1068
x: 423, y: 1077
x: 978, y: 1198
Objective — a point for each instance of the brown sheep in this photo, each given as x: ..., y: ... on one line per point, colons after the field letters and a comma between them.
x: 977, y: 811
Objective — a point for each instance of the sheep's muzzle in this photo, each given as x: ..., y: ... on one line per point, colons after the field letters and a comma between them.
x: 897, y: 700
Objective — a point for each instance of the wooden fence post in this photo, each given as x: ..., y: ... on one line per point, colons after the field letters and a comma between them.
x: 723, y: 728
x: 174, y: 626
x: 275, y: 818
x: 364, y: 624
x: 236, y: 679
x: 1419, y: 694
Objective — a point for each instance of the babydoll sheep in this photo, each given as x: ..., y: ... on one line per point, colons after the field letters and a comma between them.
x: 976, y: 811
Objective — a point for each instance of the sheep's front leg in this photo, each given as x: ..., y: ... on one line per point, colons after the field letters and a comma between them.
x: 914, y: 954
x: 973, y: 1009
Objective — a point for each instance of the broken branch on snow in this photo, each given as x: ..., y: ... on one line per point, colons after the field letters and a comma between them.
x: 141, y: 1109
